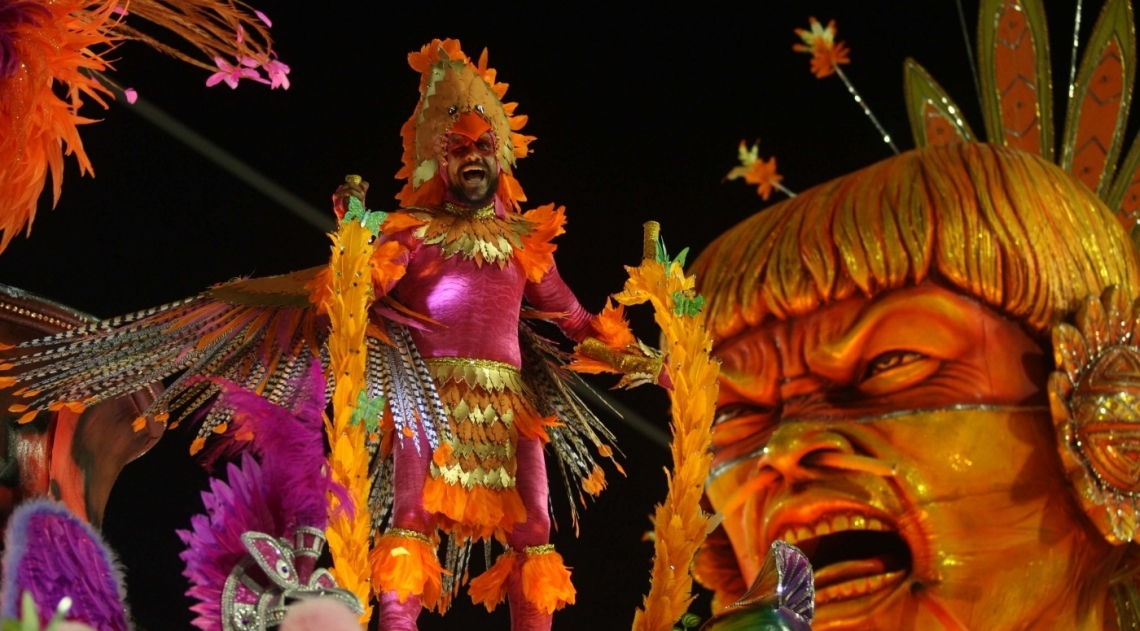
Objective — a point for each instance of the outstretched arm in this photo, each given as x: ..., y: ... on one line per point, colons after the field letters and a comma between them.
x: 552, y: 294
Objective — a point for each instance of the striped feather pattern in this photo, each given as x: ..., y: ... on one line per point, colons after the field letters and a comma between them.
x: 579, y: 429
x: 263, y: 349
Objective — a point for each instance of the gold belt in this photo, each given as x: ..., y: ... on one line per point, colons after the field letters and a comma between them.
x: 476, y: 373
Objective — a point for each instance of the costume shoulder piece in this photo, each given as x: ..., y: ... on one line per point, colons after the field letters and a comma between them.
x: 483, y: 236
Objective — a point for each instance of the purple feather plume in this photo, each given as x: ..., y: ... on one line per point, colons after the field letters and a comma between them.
x: 289, y: 445
x: 51, y: 553
x: 289, y: 488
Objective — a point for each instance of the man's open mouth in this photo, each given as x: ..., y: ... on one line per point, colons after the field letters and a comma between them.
x: 473, y: 174
x: 851, y: 554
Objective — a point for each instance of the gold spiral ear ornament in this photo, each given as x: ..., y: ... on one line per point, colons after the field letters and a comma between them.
x: 1095, y: 398
x: 353, y: 179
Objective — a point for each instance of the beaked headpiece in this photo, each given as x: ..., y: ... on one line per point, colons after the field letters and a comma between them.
x: 457, y: 96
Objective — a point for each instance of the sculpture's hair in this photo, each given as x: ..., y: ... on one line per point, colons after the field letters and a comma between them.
x: 1004, y: 226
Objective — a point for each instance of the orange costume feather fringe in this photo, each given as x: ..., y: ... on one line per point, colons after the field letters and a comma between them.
x: 347, y: 303
x: 545, y: 580
x: 680, y: 525
x: 406, y: 563
x: 490, y: 588
x: 537, y: 254
x: 60, y: 47
x: 38, y: 127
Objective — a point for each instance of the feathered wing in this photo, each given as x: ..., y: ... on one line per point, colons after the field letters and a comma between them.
x: 547, y: 378
x: 50, y: 553
x: 397, y: 372
x: 261, y: 334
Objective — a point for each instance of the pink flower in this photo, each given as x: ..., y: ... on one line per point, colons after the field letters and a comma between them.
x: 278, y: 73
x: 232, y: 74
x: 264, y: 18
x: 240, y: 33
x: 120, y: 11
x: 131, y: 95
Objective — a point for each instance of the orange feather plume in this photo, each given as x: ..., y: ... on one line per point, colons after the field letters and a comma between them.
x: 347, y: 301
x: 57, y: 46
x: 537, y: 254
x: 680, y: 526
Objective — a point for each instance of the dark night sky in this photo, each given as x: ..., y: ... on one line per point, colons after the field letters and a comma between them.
x: 637, y: 110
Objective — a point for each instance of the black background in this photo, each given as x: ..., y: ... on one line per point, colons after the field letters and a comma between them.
x: 638, y: 110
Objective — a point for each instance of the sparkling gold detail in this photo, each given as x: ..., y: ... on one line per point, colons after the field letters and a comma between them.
x: 626, y: 363
x: 353, y: 179
x: 536, y: 550
x: 1095, y: 398
x: 483, y: 239
x: 485, y: 212
x: 490, y: 375
x: 409, y: 534
x: 36, y: 315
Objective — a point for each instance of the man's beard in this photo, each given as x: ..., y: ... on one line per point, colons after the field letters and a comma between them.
x: 460, y: 194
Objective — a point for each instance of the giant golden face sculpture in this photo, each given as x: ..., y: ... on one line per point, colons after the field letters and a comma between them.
x: 886, y: 351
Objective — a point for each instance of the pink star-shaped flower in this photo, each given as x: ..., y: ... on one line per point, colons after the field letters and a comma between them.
x: 233, y: 73
x: 278, y: 73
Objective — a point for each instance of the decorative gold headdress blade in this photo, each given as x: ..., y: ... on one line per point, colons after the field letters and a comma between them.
x: 1098, y: 111
x: 1124, y: 196
x: 934, y: 117
x: 1013, y: 65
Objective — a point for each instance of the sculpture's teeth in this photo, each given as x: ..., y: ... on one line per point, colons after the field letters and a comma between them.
x: 831, y: 524
x: 857, y: 587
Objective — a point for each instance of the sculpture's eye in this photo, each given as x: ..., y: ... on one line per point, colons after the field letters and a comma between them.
x: 452, y: 110
x: 283, y: 568
x: 895, y: 371
x: 479, y: 108
x: 735, y: 411
x: 890, y: 361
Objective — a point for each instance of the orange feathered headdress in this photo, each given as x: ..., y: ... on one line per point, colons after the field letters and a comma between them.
x: 49, y: 54
x: 451, y: 87
x: 54, y: 43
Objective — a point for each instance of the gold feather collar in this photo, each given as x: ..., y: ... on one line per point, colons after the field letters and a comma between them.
x: 477, y: 234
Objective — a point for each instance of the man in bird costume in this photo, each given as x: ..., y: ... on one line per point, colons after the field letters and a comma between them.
x: 469, y: 396
x: 470, y: 258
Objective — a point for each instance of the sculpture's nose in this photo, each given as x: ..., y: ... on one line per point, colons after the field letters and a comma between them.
x: 793, y: 446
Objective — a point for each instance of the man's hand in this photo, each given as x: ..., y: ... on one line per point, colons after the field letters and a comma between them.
x: 346, y: 190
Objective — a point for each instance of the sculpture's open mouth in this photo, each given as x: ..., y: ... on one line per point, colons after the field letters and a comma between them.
x: 852, y: 554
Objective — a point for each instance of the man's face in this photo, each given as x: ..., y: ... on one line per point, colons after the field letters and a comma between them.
x: 471, y: 168
x: 905, y: 444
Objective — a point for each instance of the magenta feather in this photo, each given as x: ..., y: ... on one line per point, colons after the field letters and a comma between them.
x: 50, y: 553
x: 289, y: 488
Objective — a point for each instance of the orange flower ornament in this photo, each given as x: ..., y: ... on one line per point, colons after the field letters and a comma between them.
x: 826, y: 53
x: 756, y: 171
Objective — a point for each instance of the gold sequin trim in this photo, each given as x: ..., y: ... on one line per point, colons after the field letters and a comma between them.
x: 536, y: 550
x: 36, y: 315
x: 408, y: 534
x: 487, y: 374
x: 496, y: 479
x: 485, y: 212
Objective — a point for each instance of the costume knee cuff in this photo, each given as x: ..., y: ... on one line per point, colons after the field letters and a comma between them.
x: 405, y: 562
x: 490, y: 588
x: 546, y: 580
